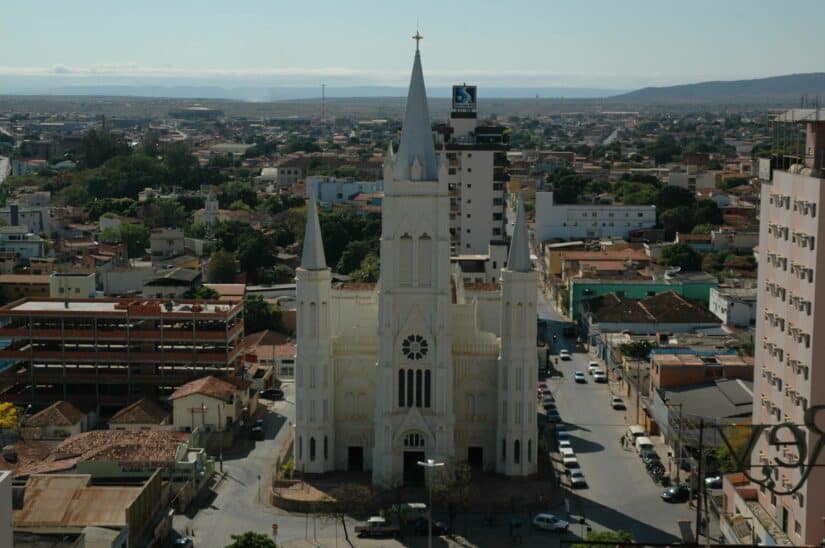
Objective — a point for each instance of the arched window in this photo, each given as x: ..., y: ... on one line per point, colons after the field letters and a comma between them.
x: 529, y: 450
x: 419, y: 386
x: 312, y: 449
x: 405, y: 260
x: 425, y: 261
x: 326, y: 448
x: 516, y: 452
x: 410, y: 386
x: 414, y: 441
x: 401, y: 388
x: 427, y: 388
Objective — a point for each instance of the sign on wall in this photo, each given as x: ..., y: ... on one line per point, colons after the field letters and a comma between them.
x: 464, y: 97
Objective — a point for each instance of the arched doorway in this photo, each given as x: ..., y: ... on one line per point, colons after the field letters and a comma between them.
x: 413, y: 453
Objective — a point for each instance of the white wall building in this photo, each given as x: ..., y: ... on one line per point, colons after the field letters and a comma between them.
x: 6, y: 530
x: 588, y: 221
x: 692, y: 179
x: 76, y: 285
x: 734, y: 306
x: 165, y: 243
x: 329, y: 190
x: 392, y: 374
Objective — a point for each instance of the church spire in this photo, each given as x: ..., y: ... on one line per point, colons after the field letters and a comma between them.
x: 313, y: 255
x: 519, y: 257
x: 416, y: 133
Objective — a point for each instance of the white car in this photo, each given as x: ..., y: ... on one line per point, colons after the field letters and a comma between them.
x: 577, y: 478
x: 565, y: 444
x: 564, y: 354
x: 592, y: 367
x: 579, y: 377
x: 599, y: 376
x: 617, y: 403
x: 549, y: 522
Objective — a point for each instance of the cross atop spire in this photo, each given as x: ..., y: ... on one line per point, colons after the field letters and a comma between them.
x: 417, y: 37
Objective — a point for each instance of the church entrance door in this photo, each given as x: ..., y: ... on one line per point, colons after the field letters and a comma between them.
x: 475, y: 457
x: 355, y: 459
x: 413, y: 472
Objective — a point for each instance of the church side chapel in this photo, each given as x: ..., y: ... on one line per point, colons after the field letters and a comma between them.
x: 417, y: 366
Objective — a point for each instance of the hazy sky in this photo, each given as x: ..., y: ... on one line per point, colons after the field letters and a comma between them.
x: 621, y: 43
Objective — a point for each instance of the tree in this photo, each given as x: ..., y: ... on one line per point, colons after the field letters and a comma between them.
x: 707, y: 212
x: 454, y: 488
x: 135, y: 237
x: 727, y: 456
x: 9, y: 415
x: 681, y: 255
x: 619, y: 537
x: 99, y: 145
x: 677, y: 219
x: 675, y: 196
x: 203, y: 292
x: 251, y: 540
x: 352, y: 257
x: 637, y: 349
x: 370, y: 269
x: 221, y: 268
x: 703, y: 229
x: 260, y: 315
x: 346, y: 498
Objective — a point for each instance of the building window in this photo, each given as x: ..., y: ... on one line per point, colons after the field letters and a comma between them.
x: 326, y: 448
x: 427, y: 388
x: 300, y: 447
x: 529, y: 450
x: 401, y: 388
x: 516, y: 452
x: 503, y: 450
x: 797, y: 527
x: 312, y: 449
x: 418, y: 388
x: 410, y: 384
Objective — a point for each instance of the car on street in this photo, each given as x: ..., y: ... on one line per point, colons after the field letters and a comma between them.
x: 548, y: 398
x: 257, y: 433
x: 548, y: 405
x: 617, y: 403
x: 376, y: 526
x: 677, y: 493
x: 183, y: 542
x: 713, y: 482
x: 565, y: 444
x: 271, y: 394
x: 562, y: 433
x: 549, y: 522
x: 577, y: 480
x: 542, y: 385
x: 649, y: 455
x: 579, y: 377
x: 553, y: 416
x: 564, y: 354
x: 599, y: 376
x: 593, y: 366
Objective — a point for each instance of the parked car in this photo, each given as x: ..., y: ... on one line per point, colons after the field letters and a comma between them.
x: 183, y: 542
x: 257, y: 433
x: 564, y: 444
x: 599, y: 376
x: 564, y: 354
x: 377, y: 526
x: 553, y: 416
x: 713, y: 482
x: 542, y: 385
x: 579, y: 377
x: 577, y: 479
x: 592, y: 367
x: 549, y: 522
x: 549, y: 405
x: 439, y: 527
x: 271, y: 394
x: 677, y: 493
x: 562, y: 433
x: 650, y: 456
x: 548, y: 398
x: 617, y: 403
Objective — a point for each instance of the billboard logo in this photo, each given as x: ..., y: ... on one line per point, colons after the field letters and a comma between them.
x: 464, y: 97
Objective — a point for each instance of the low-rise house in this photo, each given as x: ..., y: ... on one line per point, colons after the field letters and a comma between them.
x: 701, y: 243
x: 143, y: 414
x: 19, y: 240
x: 173, y: 283
x: 672, y: 370
x: 210, y: 401
x: 668, y: 312
x: 165, y: 243
x: 76, y: 285
x: 734, y: 240
x: 59, y: 420
x: 9, y: 261
x: 274, y: 351
x: 733, y: 305
x: 17, y: 286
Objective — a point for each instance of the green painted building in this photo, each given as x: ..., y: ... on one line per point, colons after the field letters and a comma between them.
x: 692, y: 285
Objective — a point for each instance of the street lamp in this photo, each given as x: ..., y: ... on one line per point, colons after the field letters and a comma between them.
x: 430, y: 464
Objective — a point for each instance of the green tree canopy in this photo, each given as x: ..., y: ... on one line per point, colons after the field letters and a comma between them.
x: 681, y: 255
x: 251, y: 540
x: 221, y: 268
x: 260, y: 315
x: 619, y: 537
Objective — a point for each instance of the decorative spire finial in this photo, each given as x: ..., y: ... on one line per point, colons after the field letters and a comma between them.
x: 417, y: 37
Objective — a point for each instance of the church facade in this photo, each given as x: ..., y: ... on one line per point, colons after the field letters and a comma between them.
x: 418, y: 366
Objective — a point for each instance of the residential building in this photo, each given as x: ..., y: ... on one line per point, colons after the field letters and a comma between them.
x: 6, y: 532
x: 165, y: 243
x: 108, y: 352
x: 18, y: 286
x: 144, y: 414
x: 476, y: 175
x: 733, y: 240
x: 387, y: 378
x: 59, y: 420
x: 791, y: 379
x: 332, y: 190
x: 35, y: 219
x: 210, y: 401
x: 668, y: 312
x: 672, y: 370
x: 72, y: 284
x: 692, y: 178
x: 173, y: 284
x: 735, y: 306
x: 18, y: 239
x: 588, y: 221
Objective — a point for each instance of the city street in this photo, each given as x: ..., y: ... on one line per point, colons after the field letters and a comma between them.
x: 620, y: 493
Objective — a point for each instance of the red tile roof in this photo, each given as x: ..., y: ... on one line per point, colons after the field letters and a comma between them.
x: 60, y: 413
x: 141, y: 412
x: 222, y: 389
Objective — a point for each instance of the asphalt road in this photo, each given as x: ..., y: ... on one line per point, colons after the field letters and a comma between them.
x: 620, y: 493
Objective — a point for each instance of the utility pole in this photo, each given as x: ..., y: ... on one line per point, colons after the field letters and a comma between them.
x: 700, y: 480
x: 679, y: 444
x: 638, y: 387
x: 220, y: 429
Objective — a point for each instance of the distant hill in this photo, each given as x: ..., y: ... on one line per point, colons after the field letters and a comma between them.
x: 784, y: 90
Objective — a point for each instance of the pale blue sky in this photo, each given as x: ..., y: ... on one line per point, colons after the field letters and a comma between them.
x: 621, y: 43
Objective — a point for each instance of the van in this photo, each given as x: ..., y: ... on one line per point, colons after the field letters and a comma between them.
x: 634, y: 431
x: 643, y: 443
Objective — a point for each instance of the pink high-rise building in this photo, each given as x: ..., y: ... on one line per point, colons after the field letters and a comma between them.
x: 790, y: 343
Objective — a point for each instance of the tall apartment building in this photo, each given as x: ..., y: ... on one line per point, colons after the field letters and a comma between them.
x: 789, y: 378
x: 109, y: 352
x: 476, y: 175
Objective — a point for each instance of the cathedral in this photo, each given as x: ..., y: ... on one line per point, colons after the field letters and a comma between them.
x: 420, y: 365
